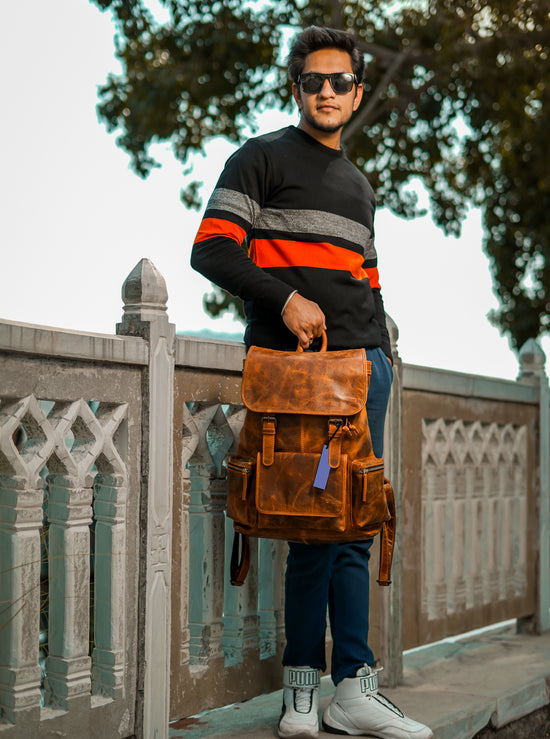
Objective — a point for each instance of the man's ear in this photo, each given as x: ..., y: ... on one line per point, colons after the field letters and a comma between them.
x: 358, y: 96
x: 296, y: 95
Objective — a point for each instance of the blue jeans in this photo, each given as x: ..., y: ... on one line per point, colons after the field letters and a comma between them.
x: 335, y: 575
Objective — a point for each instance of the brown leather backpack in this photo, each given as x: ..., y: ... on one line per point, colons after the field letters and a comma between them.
x: 305, y: 470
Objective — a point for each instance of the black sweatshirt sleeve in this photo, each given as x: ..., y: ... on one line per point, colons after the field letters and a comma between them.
x: 217, y: 252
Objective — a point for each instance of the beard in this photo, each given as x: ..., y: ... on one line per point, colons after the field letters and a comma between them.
x: 325, y: 127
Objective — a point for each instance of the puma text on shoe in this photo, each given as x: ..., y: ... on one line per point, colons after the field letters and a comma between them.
x: 299, y: 719
x: 358, y: 709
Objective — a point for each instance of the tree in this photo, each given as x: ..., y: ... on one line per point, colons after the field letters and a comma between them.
x: 455, y: 97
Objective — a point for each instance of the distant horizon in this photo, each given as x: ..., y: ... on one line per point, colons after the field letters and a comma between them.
x: 209, y: 333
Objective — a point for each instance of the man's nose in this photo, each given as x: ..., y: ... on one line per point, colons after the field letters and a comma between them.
x: 326, y: 90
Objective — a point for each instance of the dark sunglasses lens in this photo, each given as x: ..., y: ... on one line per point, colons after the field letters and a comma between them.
x: 341, y: 83
x: 313, y: 83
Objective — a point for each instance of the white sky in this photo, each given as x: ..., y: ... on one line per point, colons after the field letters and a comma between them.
x: 75, y: 220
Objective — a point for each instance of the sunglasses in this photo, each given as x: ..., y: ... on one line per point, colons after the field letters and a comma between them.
x: 312, y: 82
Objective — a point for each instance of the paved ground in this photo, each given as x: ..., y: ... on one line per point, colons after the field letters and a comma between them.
x: 534, y: 726
x: 457, y: 688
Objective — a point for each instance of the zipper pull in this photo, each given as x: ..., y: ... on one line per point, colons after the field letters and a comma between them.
x: 349, y: 429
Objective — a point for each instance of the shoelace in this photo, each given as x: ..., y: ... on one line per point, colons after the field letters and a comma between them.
x: 386, y: 702
x: 303, y: 699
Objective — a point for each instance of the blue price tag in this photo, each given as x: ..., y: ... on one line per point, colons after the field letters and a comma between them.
x: 323, y: 469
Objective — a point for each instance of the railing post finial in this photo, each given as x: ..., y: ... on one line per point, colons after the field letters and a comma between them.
x: 145, y: 297
x: 532, y: 360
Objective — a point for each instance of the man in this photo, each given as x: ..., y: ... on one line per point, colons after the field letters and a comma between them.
x: 306, y: 215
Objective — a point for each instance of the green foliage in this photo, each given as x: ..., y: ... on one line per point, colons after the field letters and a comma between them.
x: 220, y: 301
x: 202, y: 74
x: 455, y: 94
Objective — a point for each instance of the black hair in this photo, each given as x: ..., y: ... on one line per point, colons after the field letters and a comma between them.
x: 315, y: 38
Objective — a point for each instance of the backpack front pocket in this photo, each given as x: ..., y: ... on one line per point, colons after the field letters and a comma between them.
x: 285, y: 495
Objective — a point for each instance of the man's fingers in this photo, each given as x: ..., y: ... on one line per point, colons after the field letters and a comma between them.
x: 304, y: 338
x: 304, y: 318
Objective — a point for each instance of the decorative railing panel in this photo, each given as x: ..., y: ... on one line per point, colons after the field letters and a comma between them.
x: 63, y: 494
x: 474, y: 507
x: 469, y: 506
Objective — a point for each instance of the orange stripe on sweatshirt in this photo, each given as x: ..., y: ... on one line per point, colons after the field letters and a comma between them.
x: 279, y: 253
x: 211, y: 227
x: 374, y: 279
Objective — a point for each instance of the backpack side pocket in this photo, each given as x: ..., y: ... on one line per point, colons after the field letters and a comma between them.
x: 369, y: 507
x: 240, y: 491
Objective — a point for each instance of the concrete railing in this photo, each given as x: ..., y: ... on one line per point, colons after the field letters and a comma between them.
x: 116, y: 613
x: 85, y: 523
x: 70, y: 450
x: 475, y: 457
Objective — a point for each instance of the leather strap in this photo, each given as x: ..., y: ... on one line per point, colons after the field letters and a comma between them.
x: 239, y: 566
x: 387, y: 538
x: 269, y: 429
x: 335, y: 441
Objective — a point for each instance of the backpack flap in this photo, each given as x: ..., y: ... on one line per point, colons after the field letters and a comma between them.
x: 311, y: 383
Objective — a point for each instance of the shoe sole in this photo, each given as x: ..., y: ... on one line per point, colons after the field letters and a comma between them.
x: 342, y: 732
x: 301, y: 735
x: 297, y: 735
x: 332, y: 730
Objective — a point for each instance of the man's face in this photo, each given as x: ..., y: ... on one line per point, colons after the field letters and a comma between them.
x: 326, y: 111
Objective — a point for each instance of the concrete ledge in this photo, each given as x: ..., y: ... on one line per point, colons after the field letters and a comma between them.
x: 517, y: 704
x: 487, y: 680
x: 28, y: 338
x: 432, y: 380
x: 209, y: 354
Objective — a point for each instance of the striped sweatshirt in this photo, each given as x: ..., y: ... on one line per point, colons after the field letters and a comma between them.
x: 305, y: 214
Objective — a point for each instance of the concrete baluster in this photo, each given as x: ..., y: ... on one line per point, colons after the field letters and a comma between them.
x: 110, y: 553
x: 145, y: 296
x: 110, y: 492
x: 20, y: 523
x: 271, y: 569
x: 190, y: 442
x: 21, y: 520
x: 206, y: 563
x: 79, y: 440
x: 68, y: 664
x: 241, y: 622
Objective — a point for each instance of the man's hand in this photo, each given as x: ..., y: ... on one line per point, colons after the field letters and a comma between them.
x: 305, y: 319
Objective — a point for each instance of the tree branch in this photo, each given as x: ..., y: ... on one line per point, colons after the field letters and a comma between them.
x: 363, y: 117
x: 337, y: 18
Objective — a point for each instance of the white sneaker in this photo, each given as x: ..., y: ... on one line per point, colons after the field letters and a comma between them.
x: 299, y: 718
x: 358, y: 709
